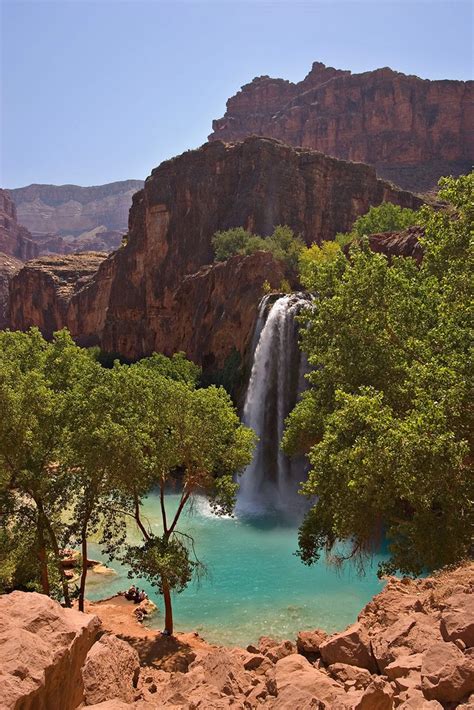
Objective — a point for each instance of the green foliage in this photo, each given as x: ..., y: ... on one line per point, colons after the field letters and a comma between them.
x: 266, y: 287
x: 229, y: 376
x: 82, y: 445
x: 285, y: 286
x: 387, y: 217
x: 387, y: 418
x: 283, y: 244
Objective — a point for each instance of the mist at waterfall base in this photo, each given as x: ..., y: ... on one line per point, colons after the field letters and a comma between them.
x: 256, y: 586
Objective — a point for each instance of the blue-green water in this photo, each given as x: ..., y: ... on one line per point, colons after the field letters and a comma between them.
x: 256, y: 586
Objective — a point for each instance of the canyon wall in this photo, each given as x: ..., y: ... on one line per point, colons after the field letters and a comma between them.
x: 412, y: 130
x: 70, y: 211
x: 159, y: 292
x: 15, y: 240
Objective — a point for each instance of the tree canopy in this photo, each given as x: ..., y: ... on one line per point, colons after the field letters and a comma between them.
x: 387, y: 418
x: 81, y: 446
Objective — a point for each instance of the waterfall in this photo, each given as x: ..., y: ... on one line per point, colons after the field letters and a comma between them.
x: 271, y: 481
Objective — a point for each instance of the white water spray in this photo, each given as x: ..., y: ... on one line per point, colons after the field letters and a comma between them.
x: 271, y: 480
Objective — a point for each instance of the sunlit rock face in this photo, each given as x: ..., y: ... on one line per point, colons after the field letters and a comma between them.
x: 413, y: 130
x: 15, y: 240
x: 161, y: 292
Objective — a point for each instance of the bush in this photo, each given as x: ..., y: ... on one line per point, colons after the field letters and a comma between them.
x: 387, y: 217
x: 283, y: 244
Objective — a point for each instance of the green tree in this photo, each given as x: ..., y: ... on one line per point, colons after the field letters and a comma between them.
x: 36, y: 384
x: 387, y: 417
x: 387, y: 217
x: 189, y: 438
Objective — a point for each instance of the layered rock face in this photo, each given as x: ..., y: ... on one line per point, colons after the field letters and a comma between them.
x: 41, y: 292
x: 413, y: 130
x: 153, y: 294
x: 411, y: 648
x: 9, y: 266
x: 15, y: 240
x: 64, y: 210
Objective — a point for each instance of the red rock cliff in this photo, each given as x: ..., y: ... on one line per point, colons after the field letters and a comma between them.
x: 413, y: 130
x: 153, y: 294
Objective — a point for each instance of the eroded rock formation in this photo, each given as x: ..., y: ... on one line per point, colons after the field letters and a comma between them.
x: 411, y: 648
x: 9, y: 266
x: 64, y: 210
x: 159, y: 292
x: 413, y: 130
x: 15, y: 240
x: 42, y: 290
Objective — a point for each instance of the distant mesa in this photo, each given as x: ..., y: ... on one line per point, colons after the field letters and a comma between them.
x: 68, y: 218
x: 412, y: 130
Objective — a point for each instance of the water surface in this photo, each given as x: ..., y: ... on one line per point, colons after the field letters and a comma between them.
x: 255, y: 585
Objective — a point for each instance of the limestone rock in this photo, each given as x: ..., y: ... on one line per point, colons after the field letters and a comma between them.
x: 42, y: 650
x: 446, y: 674
x: 412, y: 130
x: 110, y: 671
x: 351, y: 646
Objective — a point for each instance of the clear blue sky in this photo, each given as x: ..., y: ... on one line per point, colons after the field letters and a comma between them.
x: 104, y: 90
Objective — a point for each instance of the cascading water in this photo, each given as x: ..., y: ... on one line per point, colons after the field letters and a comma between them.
x: 271, y: 481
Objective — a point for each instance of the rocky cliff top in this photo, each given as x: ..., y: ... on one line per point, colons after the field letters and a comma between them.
x: 151, y: 295
x: 412, y: 130
x: 412, y: 647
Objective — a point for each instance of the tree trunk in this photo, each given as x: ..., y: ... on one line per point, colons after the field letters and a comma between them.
x: 168, y: 607
x: 55, y: 546
x: 82, y: 586
x: 42, y: 557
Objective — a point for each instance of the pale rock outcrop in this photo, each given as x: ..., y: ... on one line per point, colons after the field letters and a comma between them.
x: 42, y: 650
x: 110, y: 671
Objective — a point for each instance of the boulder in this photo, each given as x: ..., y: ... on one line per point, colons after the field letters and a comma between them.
x: 350, y: 676
x: 111, y: 671
x: 447, y: 674
x: 351, y: 646
x: 42, y: 649
x: 308, y: 642
x: 274, y: 650
x: 412, y: 633
x: 295, y: 674
x: 403, y: 666
x: 377, y: 696
x: 415, y: 700
x: 457, y: 620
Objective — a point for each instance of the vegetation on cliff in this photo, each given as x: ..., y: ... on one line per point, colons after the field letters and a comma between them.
x: 283, y: 244
x: 82, y: 445
x: 387, y: 417
x: 386, y: 217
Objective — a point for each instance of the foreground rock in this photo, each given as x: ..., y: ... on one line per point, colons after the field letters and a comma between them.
x: 161, y: 291
x: 395, y: 656
x: 42, y: 650
x: 413, y: 130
